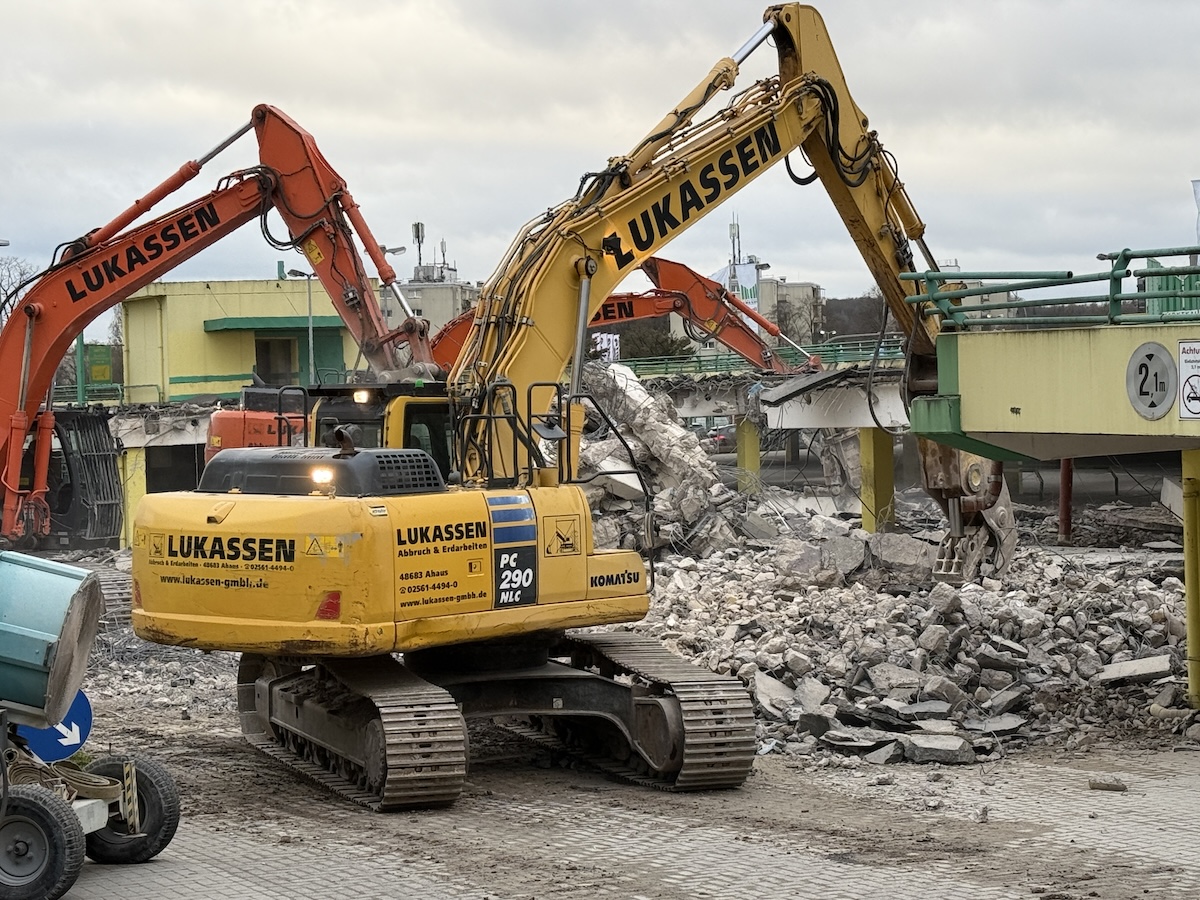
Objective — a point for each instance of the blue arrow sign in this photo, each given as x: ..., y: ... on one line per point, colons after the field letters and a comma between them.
x: 57, y: 743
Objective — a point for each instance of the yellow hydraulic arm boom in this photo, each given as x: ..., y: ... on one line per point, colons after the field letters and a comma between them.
x: 562, y: 266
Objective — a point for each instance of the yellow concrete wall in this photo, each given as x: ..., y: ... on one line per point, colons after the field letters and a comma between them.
x: 1067, y: 381
x: 132, y: 467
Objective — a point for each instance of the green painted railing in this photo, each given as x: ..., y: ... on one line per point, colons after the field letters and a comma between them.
x: 831, y: 353
x: 92, y: 393
x: 1172, y: 293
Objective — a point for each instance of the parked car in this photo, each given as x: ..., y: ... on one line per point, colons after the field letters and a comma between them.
x: 721, y: 440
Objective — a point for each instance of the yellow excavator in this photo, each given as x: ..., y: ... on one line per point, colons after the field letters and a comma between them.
x: 381, y: 596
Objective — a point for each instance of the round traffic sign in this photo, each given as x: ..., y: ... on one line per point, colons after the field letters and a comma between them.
x: 61, y: 741
x: 1150, y: 380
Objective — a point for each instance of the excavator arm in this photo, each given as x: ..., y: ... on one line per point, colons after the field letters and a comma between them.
x: 708, y: 306
x: 555, y: 274
x: 105, y: 266
x: 533, y: 312
x: 702, y: 303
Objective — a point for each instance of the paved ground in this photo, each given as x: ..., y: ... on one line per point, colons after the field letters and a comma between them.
x: 522, y: 831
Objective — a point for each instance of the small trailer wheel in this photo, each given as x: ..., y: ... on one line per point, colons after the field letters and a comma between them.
x: 41, y: 845
x: 158, y: 801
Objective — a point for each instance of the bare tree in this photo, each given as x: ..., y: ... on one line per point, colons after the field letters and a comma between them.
x: 14, y: 271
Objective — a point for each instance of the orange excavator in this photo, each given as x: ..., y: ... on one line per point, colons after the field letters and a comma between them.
x: 708, y: 310
x: 95, y: 272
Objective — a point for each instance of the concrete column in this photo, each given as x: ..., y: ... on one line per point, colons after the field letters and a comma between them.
x: 878, y: 478
x: 1191, y: 570
x: 791, y: 447
x: 749, y: 462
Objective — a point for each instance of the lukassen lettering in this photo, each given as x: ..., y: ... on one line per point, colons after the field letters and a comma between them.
x: 434, y: 534
x: 613, y: 310
x: 257, y: 549
x: 121, y: 265
x: 672, y: 210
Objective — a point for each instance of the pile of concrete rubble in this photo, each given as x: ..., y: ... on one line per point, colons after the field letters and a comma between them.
x: 842, y: 663
x: 851, y: 648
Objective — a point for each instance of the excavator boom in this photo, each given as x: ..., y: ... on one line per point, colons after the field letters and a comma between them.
x: 562, y: 265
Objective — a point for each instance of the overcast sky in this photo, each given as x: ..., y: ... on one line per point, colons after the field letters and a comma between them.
x: 1031, y: 135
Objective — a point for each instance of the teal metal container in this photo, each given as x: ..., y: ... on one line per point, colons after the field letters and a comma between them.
x: 49, y: 613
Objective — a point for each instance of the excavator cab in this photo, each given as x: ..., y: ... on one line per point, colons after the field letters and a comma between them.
x: 398, y: 416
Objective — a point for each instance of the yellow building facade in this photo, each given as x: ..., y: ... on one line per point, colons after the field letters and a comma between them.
x: 190, y: 340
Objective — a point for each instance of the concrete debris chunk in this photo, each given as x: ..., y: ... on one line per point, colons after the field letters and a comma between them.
x: 798, y: 558
x: 1134, y: 670
x: 773, y: 696
x: 925, y: 709
x: 947, y: 749
x: 886, y: 677
x: 899, y: 553
x: 945, y: 599
x: 935, y: 639
x: 845, y: 554
x: 1010, y: 699
x: 810, y: 694
x: 1017, y: 651
x: 990, y: 658
x: 857, y: 738
x: 1005, y: 724
x: 1107, y: 783
x: 889, y: 753
x: 944, y: 689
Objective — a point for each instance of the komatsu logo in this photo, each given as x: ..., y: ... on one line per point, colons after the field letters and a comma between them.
x: 616, y: 579
x: 121, y: 265
x: 673, y: 209
x: 203, y: 546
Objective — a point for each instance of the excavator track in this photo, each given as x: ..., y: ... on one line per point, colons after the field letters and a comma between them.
x: 413, y: 747
x: 718, y: 715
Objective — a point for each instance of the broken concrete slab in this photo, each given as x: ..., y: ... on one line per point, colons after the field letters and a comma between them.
x: 772, y: 695
x: 1010, y: 699
x: 938, y: 748
x: 759, y: 528
x: 856, y: 738
x: 941, y: 688
x: 925, y: 709
x: 888, y: 753
x: 1134, y: 670
x: 1005, y: 724
x: 886, y: 677
x: 991, y: 658
x: 845, y: 554
x: 810, y: 694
